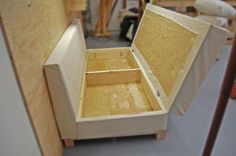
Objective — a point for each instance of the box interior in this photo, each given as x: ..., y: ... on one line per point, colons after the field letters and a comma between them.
x: 100, y: 60
x: 114, y: 84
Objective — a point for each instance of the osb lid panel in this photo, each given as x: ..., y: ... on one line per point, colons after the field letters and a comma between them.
x: 166, y: 47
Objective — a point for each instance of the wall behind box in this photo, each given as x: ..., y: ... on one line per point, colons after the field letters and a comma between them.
x: 33, y: 27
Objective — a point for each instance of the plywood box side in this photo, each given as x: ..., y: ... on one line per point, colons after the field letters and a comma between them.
x: 68, y: 62
x: 208, y: 53
x: 107, y: 53
x: 115, y: 49
x: 117, y: 127
x: 82, y: 99
x: 155, y: 103
x: 110, y: 59
x: 64, y: 112
x: 112, y: 77
x: 147, y: 81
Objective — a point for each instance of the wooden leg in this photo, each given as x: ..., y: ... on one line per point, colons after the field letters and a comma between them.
x: 161, y: 135
x: 69, y: 143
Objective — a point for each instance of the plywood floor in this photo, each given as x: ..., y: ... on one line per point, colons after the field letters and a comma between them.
x: 115, y: 99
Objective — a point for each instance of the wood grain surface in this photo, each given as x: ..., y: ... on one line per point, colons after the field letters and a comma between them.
x: 33, y: 27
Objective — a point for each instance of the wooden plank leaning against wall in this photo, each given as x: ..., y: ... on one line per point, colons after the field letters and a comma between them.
x: 33, y: 27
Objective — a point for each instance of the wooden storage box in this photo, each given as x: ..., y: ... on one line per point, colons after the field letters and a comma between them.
x: 116, y: 92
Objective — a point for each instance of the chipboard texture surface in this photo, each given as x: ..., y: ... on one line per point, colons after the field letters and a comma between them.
x: 166, y: 47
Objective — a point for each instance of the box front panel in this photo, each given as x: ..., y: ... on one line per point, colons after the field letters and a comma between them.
x: 124, y: 126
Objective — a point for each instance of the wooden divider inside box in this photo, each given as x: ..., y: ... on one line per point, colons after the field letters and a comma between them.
x: 115, y: 85
x: 101, y: 60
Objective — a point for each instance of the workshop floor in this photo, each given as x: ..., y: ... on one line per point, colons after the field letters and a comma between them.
x: 185, y: 134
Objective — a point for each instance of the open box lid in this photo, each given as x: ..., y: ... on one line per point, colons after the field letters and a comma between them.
x: 175, y: 51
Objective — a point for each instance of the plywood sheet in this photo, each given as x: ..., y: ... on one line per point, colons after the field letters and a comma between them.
x: 105, y: 100
x: 16, y: 128
x: 76, y: 5
x: 43, y: 119
x: 33, y: 28
x: 165, y: 45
